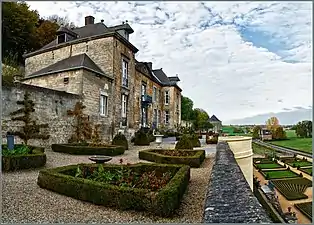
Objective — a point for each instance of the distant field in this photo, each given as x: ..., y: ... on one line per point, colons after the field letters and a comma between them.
x: 260, y: 150
x: 301, y: 144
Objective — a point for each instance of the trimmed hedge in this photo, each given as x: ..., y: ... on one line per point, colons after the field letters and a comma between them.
x: 155, y: 155
x: 120, y: 140
x: 305, y: 208
x: 162, y: 202
x: 18, y: 162
x: 109, y: 150
x: 292, y: 189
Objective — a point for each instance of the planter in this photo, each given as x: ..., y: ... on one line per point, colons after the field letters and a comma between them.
x: 35, y: 159
x: 195, y: 159
x: 158, y: 139
x: 109, y: 150
x: 99, y: 159
x: 162, y: 202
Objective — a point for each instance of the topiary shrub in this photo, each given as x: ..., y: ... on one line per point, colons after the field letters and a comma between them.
x: 298, y: 167
x: 184, y: 143
x: 300, y: 175
x: 267, y: 176
x: 195, y: 141
x: 120, y: 140
x: 293, y: 165
x: 141, y: 138
x: 213, y: 140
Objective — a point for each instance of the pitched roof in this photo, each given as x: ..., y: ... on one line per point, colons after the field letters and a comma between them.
x: 214, y: 119
x: 88, y: 31
x: 161, y: 76
x: 81, y: 61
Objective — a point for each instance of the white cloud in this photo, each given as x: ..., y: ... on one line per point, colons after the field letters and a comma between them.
x: 219, y: 70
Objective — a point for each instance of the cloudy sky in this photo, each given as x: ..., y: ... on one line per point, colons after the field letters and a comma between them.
x: 234, y: 59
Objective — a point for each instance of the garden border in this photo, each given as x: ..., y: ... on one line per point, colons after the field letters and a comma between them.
x: 162, y: 202
x: 109, y: 150
x: 193, y: 161
x: 19, y: 162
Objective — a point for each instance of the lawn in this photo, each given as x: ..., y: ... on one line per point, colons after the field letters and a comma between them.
x: 300, y: 163
x: 260, y: 150
x: 268, y: 166
x: 301, y: 144
x: 278, y: 174
x: 307, y: 170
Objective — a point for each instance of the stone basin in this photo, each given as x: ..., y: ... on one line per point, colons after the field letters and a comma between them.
x: 100, y: 158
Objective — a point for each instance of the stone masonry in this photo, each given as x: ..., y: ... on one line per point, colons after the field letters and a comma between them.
x: 50, y: 107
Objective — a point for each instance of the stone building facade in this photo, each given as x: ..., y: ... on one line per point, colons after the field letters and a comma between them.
x: 98, y: 63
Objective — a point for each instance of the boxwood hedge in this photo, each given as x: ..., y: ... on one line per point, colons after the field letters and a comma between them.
x: 162, y: 202
x: 109, y: 150
x: 156, y: 155
x: 18, y: 162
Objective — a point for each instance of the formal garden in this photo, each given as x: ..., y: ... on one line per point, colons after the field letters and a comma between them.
x: 305, y: 208
x: 141, y: 181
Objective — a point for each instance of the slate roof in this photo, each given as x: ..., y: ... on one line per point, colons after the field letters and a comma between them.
x: 214, y: 119
x: 81, y: 61
x: 87, y: 31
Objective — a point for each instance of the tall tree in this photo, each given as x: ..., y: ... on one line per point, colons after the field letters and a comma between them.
x: 272, y: 123
x: 304, y: 129
x: 61, y: 21
x: 18, y: 29
x: 30, y: 130
x: 186, y: 108
x: 256, y: 132
x: 279, y: 134
x: 45, y: 32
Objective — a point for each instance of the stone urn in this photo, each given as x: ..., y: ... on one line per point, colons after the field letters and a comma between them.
x: 158, y: 139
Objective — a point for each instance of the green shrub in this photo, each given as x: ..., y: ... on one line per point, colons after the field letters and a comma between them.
x: 162, y: 203
x: 195, y: 141
x: 37, y: 158
x: 141, y: 138
x: 158, y: 156
x: 184, y: 143
x: 120, y: 140
x: 84, y: 149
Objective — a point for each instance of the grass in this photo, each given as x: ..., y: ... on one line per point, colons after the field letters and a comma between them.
x: 294, y: 142
x: 308, y: 171
x: 268, y: 166
x: 260, y: 150
x: 278, y: 174
x: 300, y: 163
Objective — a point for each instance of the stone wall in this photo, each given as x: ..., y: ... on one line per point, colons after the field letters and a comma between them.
x: 50, y: 107
x: 229, y: 198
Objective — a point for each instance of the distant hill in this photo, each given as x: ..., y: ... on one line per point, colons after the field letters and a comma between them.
x: 285, y: 118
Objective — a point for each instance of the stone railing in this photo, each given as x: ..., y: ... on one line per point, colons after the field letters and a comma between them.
x: 229, y: 198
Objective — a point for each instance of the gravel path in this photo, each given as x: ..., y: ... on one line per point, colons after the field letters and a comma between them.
x: 24, y: 202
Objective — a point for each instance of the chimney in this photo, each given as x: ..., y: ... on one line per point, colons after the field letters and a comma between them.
x: 150, y: 65
x: 89, y: 20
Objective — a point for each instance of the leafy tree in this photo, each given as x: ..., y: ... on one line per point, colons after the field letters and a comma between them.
x: 18, y: 29
x: 30, y: 130
x: 279, y: 134
x: 304, y: 129
x: 45, y: 32
x: 256, y: 132
x: 272, y: 124
x: 186, y: 108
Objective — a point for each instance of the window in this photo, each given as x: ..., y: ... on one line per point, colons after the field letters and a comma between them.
x: 125, y: 74
x: 61, y: 38
x: 154, y: 94
x: 167, y: 117
x: 159, y: 117
x: 66, y: 80
x: 166, y: 97
x: 103, y: 105
x: 126, y: 35
x: 143, y: 88
x: 124, y: 105
x: 155, y: 117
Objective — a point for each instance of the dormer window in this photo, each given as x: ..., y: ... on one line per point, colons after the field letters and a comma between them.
x: 61, y: 38
x: 126, y: 35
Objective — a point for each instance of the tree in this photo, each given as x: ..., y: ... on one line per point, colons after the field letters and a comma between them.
x: 272, y: 123
x: 83, y: 129
x: 279, y: 134
x: 186, y: 108
x: 30, y: 130
x: 256, y: 132
x: 61, y: 21
x: 304, y: 129
x: 45, y: 33
x: 18, y: 29
x: 200, y: 119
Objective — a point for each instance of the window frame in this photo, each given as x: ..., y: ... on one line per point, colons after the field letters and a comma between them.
x: 103, y: 108
x: 167, y: 113
x: 167, y: 97
x: 125, y: 72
